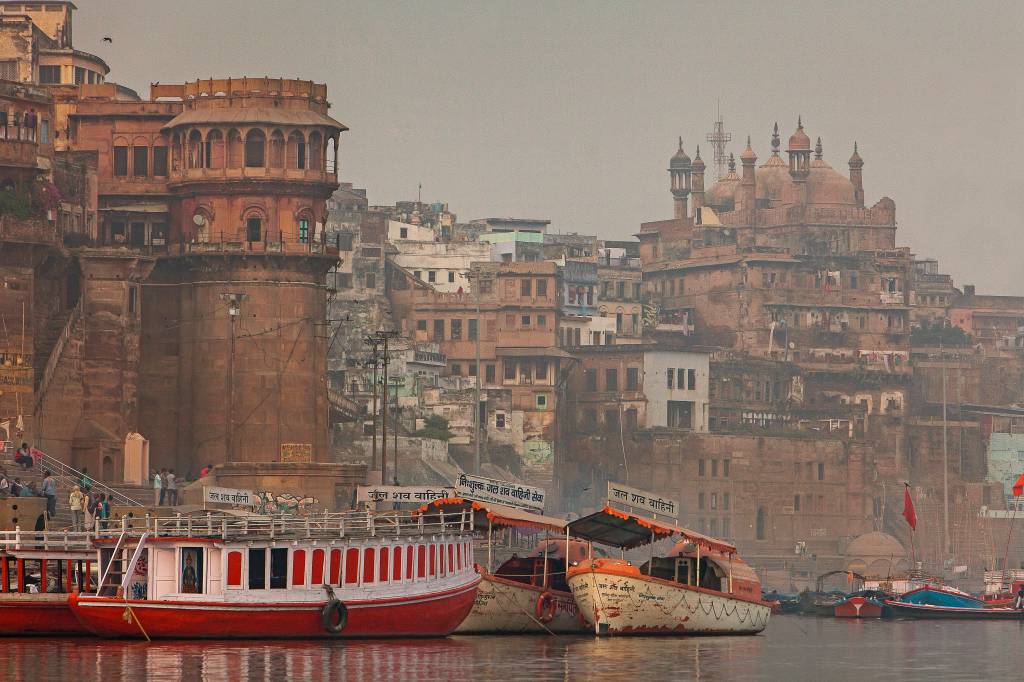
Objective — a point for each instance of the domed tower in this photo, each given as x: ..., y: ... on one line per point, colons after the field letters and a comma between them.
x: 799, y: 160
x: 856, y: 176
x: 243, y: 290
x: 679, y: 167
x: 698, y: 181
x: 748, y: 183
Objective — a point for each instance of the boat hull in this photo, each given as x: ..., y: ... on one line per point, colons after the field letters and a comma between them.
x: 37, y: 614
x: 858, y: 607
x: 616, y: 604
x: 897, y: 609
x: 426, y: 615
x: 510, y: 607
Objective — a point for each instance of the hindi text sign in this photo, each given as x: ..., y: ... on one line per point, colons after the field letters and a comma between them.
x: 501, y: 492
x: 243, y: 498
x: 641, y: 499
x: 402, y: 493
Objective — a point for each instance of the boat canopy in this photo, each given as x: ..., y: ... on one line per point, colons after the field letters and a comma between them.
x: 621, y: 529
x: 499, y: 515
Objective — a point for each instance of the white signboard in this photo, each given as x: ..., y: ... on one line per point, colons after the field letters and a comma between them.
x: 502, y: 492
x: 244, y: 498
x: 641, y: 499
x: 403, y: 493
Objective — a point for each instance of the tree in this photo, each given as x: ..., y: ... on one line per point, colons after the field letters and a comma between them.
x: 436, y: 427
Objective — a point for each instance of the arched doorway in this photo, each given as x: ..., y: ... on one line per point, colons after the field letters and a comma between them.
x: 107, y: 469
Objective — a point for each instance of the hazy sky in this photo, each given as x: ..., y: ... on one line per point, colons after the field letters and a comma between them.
x: 570, y: 110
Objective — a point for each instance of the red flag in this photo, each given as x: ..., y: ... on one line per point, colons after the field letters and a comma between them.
x: 1018, y: 487
x: 908, y: 509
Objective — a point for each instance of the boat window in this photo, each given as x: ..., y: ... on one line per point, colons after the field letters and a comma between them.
x: 257, y: 569
x: 382, y: 574
x: 451, y: 558
x: 278, y: 568
x: 352, y: 566
x: 335, y: 567
x: 458, y: 557
x: 299, y: 567
x: 433, y: 561
x: 317, y: 569
x: 191, y: 570
x: 409, y: 551
x: 234, y: 569
x: 368, y: 565
x: 421, y: 561
x: 396, y: 568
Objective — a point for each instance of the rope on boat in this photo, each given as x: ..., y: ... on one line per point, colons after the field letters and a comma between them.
x: 129, y: 616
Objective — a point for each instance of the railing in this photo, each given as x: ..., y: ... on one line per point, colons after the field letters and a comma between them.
x: 55, y: 355
x: 72, y: 476
x: 68, y: 541
x: 351, y: 524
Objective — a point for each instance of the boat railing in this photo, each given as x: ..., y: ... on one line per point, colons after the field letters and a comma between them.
x: 352, y: 524
x: 18, y: 540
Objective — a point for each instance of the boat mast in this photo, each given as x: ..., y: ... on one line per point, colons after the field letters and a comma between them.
x: 945, y: 454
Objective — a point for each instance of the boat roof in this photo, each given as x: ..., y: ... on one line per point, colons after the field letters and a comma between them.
x: 499, y: 515
x: 622, y: 529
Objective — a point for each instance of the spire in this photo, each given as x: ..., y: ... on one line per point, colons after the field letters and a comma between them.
x: 748, y: 153
x: 855, y: 160
x: 776, y: 143
x: 817, y: 150
x: 732, y: 163
x: 698, y: 151
x: 680, y: 143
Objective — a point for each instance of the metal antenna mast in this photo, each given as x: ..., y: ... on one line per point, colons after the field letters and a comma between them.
x: 718, y: 138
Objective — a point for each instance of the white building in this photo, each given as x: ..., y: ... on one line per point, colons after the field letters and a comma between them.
x: 586, y: 330
x: 676, y: 385
x: 442, y: 265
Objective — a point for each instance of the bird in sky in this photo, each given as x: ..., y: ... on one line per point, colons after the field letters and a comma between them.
x: 108, y: 39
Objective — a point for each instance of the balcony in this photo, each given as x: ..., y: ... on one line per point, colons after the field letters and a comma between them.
x: 28, y: 230
x: 23, y: 153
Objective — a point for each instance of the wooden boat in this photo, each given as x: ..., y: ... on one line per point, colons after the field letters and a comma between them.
x: 946, y: 602
x: 356, y: 574
x: 38, y: 572
x: 863, y: 604
x: 700, y: 588
x: 525, y: 595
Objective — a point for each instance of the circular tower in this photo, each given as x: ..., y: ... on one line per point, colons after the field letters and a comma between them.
x: 252, y: 164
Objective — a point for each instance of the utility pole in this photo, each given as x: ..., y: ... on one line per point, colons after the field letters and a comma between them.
x: 372, y: 342
x: 945, y: 451
x: 383, y: 337
x: 394, y: 448
x: 476, y: 401
x: 234, y: 310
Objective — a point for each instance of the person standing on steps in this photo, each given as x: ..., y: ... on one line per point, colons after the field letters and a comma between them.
x: 86, y: 481
x: 163, y: 487
x: 172, y: 488
x: 75, y: 503
x: 158, y: 488
x: 49, y: 491
x: 24, y: 457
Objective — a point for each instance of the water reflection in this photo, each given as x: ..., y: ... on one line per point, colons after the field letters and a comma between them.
x: 793, y: 648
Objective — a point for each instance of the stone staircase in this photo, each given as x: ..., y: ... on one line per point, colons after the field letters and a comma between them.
x: 51, y: 345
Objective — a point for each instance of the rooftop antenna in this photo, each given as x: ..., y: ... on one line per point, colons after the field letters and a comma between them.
x: 718, y: 138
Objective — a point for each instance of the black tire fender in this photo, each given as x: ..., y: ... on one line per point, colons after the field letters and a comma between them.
x: 334, y: 616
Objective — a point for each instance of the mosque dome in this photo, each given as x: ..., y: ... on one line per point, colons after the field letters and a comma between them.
x: 680, y: 161
x: 799, y: 141
x: 826, y: 186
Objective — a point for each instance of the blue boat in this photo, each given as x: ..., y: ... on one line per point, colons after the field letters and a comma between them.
x: 943, y: 602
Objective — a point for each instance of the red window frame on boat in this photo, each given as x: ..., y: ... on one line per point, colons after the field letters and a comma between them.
x: 335, y: 567
x: 396, y: 564
x: 351, y: 566
x: 384, y: 565
x: 421, y: 561
x: 234, y: 569
x: 316, y: 569
x: 451, y: 557
x: 369, y: 555
x: 298, y: 567
x: 409, y: 562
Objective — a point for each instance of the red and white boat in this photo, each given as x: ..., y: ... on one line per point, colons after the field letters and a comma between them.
x: 357, y: 574
x: 528, y: 594
x: 699, y: 588
x: 38, y: 572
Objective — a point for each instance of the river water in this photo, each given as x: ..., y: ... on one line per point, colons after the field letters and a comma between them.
x: 792, y: 648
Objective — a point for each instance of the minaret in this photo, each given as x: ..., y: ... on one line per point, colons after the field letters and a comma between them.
x: 698, y: 182
x: 748, y: 184
x: 857, y: 176
x: 817, y: 150
x: 679, y: 171
x: 799, y: 161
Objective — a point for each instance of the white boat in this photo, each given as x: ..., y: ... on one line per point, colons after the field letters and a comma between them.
x: 525, y: 594
x: 699, y: 588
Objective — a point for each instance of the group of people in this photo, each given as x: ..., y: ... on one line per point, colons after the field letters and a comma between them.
x: 15, y: 488
x: 89, y: 510
x: 165, y: 488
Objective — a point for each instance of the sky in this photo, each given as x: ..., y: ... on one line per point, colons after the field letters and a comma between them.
x: 570, y: 111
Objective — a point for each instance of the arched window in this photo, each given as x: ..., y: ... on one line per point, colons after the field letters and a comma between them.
x: 234, y: 149
x: 215, y: 149
x: 202, y: 225
x: 176, y: 152
x: 296, y: 150
x: 276, y: 149
x: 255, y: 143
x: 332, y: 155
x: 316, y: 151
x: 195, y: 149
x: 305, y: 220
x: 254, y: 220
